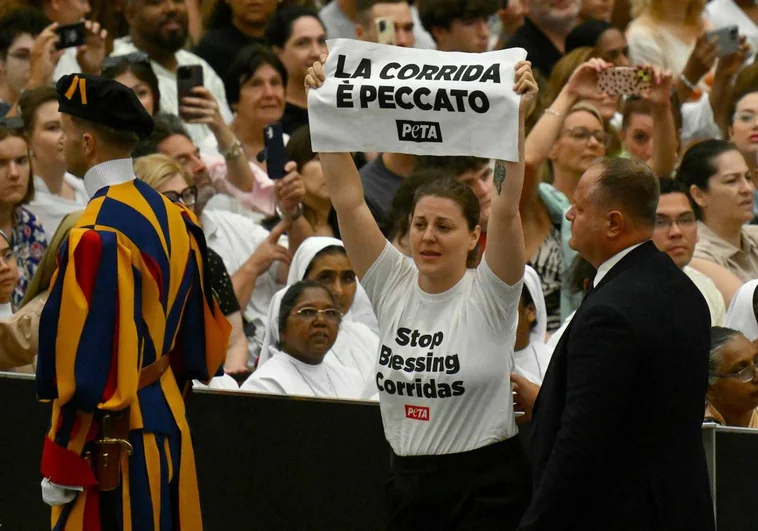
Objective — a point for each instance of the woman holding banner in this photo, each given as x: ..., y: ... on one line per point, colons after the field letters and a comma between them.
x: 447, y: 335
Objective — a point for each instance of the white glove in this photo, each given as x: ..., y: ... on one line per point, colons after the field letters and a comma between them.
x: 53, y: 494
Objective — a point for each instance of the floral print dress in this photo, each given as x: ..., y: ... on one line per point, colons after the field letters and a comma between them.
x: 29, y: 244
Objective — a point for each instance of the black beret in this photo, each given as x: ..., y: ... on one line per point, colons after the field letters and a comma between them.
x: 103, y: 101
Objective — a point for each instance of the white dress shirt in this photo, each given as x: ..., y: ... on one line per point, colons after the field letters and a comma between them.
x: 5, y: 310
x: 606, y: 266
x: 167, y: 85
x: 51, y: 208
x: 108, y: 173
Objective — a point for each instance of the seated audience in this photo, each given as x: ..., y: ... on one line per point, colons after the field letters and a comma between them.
x: 160, y: 30
x: 742, y: 313
x: 308, y: 324
x: 298, y: 38
x: 675, y: 233
x: 17, y: 190
x: 609, y: 41
x: 57, y: 193
x: 324, y: 260
x: 18, y: 31
x: 732, y: 396
x: 317, y: 206
x: 544, y: 32
x: 232, y: 26
x: 134, y: 71
x: 531, y: 356
x: 720, y: 186
x: 167, y: 176
x: 459, y: 26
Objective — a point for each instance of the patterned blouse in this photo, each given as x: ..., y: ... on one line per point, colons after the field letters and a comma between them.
x: 29, y: 244
x: 547, y: 263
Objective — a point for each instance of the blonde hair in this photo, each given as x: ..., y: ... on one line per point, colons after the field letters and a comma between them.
x: 156, y: 169
x: 654, y: 8
x: 564, y: 69
x: 49, y: 263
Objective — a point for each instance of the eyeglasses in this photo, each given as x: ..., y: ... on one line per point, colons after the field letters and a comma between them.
x: 583, y: 134
x: 188, y: 196
x: 745, y: 117
x: 129, y: 58
x: 309, y: 314
x: 683, y: 222
x: 744, y: 375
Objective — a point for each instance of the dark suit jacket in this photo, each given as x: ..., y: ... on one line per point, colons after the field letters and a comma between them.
x: 617, y: 425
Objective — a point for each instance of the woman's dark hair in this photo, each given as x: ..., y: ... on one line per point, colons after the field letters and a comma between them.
x: 299, y: 148
x: 30, y: 102
x: 698, y: 166
x: 581, y: 275
x: 330, y: 250
x: 459, y: 193
x: 246, y: 64
x: 526, y: 300
x: 396, y: 223
x: 279, y: 28
x: 141, y: 68
x: 586, y: 34
x: 7, y: 131
x: 291, y: 296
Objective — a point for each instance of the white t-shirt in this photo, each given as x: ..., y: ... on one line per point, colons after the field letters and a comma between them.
x: 169, y: 94
x: 235, y: 238
x: 286, y: 375
x: 532, y: 362
x: 50, y: 209
x: 445, y: 359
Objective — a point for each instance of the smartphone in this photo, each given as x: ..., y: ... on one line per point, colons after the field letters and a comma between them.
x: 728, y: 39
x: 385, y: 30
x: 624, y: 80
x: 71, y: 35
x: 276, y: 156
x: 187, y: 78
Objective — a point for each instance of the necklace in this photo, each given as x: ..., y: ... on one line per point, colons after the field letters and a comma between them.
x: 329, y: 379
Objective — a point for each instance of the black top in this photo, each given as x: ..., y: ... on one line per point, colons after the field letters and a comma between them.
x: 540, y: 50
x: 616, y: 441
x: 222, y: 284
x: 294, y: 118
x: 220, y: 46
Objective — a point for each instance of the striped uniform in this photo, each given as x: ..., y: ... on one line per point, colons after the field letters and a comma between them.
x: 130, y: 288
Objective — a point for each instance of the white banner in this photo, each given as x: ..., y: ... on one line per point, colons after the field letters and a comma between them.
x: 422, y: 102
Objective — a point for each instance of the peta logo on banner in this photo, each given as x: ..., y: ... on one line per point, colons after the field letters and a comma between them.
x: 417, y: 412
x: 408, y: 131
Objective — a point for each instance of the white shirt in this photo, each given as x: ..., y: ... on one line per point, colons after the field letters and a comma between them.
x: 444, y: 358
x: 50, y: 208
x: 167, y: 85
x: 285, y: 375
x: 67, y: 64
x: 108, y: 173
x: 532, y: 362
x: 6, y: 310
x: 606, y: 266
x: 722, y: 13
x: 741, y: 314
x: 711, y: 294
x: 235, y: 238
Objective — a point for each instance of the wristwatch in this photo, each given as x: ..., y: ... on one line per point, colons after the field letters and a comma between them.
x: 292, y: 216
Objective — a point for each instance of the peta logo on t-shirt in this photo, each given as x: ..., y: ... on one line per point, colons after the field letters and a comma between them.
x: 417, y: 412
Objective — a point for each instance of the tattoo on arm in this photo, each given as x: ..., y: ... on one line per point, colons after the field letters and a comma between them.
x: 499, y: 177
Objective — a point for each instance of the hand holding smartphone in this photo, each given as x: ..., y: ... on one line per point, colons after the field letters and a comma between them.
x: 276, y: 156
x: 71, y: 35
x: 187, y: 78
x: 624, y: 80
x: 727, y: 39
x: 385, y: 30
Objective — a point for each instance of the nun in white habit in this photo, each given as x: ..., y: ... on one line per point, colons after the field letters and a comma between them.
x: 531, y: 355
x: 325, y: 261
x: 308, y: 322
x: 741, y: 315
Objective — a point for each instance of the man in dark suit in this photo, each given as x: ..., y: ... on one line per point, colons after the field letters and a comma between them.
x: 616, y: 442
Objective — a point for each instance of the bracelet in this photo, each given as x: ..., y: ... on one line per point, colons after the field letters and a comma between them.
x: 687, y: 83
x: 292, y: 216
x: 554, y: 113
x: 233, y: 151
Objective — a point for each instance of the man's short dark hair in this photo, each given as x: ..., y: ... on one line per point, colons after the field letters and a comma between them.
x: 18, y: 22
x: 672, y: 186
x: 442, y: 13
x: 363, y: 8
x: 122, y: 139
x: 456, y: 166
x: 630, y: 184
x: 165, y: 125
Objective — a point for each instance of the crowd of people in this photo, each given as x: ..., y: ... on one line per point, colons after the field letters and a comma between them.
x: 333, y: 275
